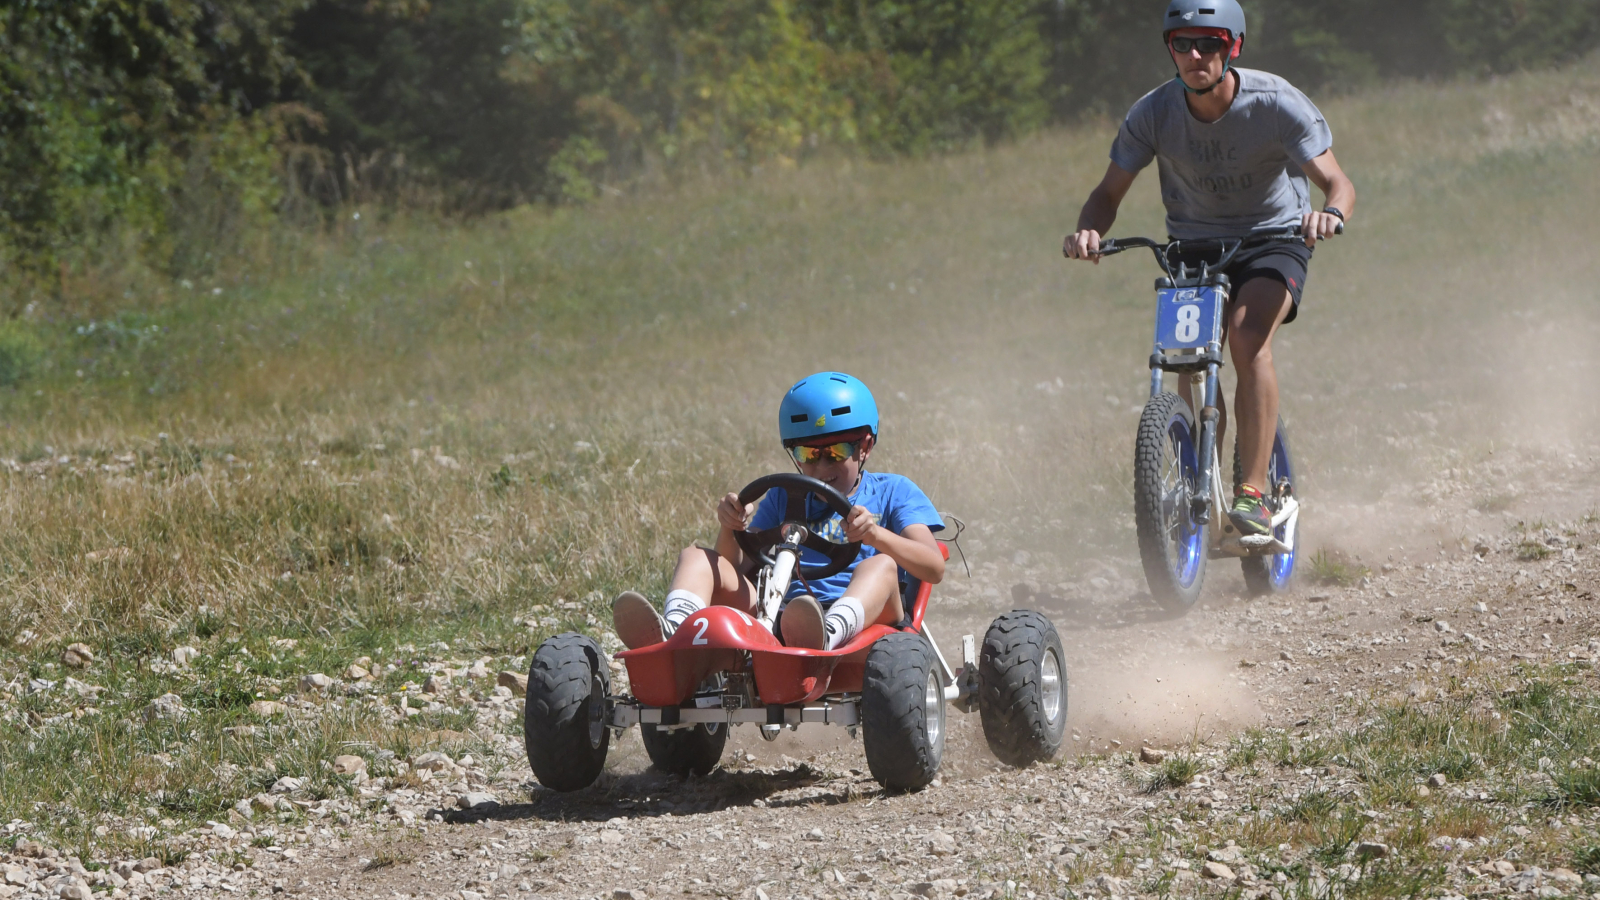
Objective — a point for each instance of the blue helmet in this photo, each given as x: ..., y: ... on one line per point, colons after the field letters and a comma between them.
x: 823, y: 404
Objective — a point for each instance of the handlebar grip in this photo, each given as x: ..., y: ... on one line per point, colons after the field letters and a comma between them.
x: 1339, y: 228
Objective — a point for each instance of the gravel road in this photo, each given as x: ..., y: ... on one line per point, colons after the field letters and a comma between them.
x: 800, y: 818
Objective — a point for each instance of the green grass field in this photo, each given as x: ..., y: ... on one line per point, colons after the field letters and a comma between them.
x: 409, y: 431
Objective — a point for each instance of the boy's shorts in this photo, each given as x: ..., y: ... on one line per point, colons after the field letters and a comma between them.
x: 1281, y: 261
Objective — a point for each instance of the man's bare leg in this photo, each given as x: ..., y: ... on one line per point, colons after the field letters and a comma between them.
x: 1252, y: 321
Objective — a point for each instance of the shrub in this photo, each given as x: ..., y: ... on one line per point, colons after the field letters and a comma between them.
x: 21, y: 351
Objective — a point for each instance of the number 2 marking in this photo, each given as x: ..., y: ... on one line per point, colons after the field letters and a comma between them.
x: 700, y: 636
x: 1188, y: 323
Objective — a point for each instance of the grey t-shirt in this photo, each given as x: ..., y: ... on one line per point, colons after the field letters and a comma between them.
x: 1237, y: 174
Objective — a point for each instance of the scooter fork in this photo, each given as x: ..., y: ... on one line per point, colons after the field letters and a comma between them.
x: 1208, y: 499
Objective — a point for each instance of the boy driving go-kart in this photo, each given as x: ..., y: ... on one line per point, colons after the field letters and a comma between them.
x: 829, y: 425
x: 840, y: 563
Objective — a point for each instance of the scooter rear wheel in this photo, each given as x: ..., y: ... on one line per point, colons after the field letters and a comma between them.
x: 1265, y: 575
x: 1166, y: 479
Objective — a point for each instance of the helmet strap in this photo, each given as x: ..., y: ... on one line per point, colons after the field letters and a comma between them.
x: 1227, y: 66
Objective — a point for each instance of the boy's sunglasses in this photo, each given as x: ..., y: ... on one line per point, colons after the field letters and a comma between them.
x: 1205, y: 45
x: 831, y: 453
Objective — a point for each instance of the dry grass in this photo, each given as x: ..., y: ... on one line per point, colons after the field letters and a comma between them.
x: 383, y: 433
x: 1513, y: 753
x: 1333, y: 567
x: 418, y: 431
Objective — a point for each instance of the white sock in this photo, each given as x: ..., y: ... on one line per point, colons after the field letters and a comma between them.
x: 680, y: 605
x: 844, y: 621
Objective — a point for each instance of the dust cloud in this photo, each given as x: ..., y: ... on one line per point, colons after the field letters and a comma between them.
x: 1436, y: 384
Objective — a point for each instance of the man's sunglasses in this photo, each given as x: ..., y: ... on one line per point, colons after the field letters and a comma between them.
x: 830, y: 453
x: 1206, y: 45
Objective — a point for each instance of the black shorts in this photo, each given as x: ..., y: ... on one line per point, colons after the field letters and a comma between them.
x: 1281, y: 261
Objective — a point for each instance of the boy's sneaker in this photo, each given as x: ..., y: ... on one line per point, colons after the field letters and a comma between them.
x: 1250, y: 513
x: 802, y: 624
x: 636, y: 622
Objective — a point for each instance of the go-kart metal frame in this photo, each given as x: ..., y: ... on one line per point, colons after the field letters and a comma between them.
x: 724, y: 667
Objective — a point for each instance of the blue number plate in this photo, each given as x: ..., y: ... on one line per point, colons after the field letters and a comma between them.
x: 1188, y: 318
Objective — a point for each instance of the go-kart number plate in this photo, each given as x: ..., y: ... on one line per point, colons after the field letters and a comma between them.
x: 1188, y: 317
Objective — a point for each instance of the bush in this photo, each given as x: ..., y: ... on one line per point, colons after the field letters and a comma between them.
x: 156, y: 134
x: 125, y: 118
x: 21, y: 351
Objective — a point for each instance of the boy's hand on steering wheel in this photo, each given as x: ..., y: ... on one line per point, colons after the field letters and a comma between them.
x: 731, y: 514
x: 1083, y: 244
x: 860, y: 525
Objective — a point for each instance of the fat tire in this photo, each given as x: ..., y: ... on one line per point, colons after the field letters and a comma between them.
x: 901, y: 752
x: 557, y: 716
x: 1257, y: 569
x: 1010, y: 688
x: 683, y: 751
x: 1155, y: 551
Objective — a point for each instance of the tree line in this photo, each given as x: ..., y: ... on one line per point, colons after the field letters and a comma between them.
x: 161, y: 129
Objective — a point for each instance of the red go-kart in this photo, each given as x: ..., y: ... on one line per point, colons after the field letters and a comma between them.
x: 724, y: 668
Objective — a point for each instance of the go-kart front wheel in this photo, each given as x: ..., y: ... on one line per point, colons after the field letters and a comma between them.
x: 685, y: 750
x: 564, y: 719
x: 1022, y: 688
x: 902, y: 712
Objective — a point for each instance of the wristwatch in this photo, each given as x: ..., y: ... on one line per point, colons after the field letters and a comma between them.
x: 1334, y: 211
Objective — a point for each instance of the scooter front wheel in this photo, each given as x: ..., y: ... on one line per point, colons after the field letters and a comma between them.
x: 1166, y: 479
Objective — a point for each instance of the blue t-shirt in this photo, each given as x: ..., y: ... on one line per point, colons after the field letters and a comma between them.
x: 894, y: 499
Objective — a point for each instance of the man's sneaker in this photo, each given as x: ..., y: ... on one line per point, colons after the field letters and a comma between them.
x: 637, y: 623
x: 802, y: 624
x: 1250, y: 513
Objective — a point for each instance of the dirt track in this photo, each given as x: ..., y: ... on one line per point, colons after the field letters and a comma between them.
x: 799, y: 817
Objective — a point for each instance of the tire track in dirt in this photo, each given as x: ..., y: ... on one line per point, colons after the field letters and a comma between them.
x: 800, y: 817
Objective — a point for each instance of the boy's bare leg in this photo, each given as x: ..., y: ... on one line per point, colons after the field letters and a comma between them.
x: 873, y: 596
x: 876, y: 583
x: 702, y: 577
x: 711, y: 577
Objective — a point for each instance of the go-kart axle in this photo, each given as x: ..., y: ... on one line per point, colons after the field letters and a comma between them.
x: 843, y: 712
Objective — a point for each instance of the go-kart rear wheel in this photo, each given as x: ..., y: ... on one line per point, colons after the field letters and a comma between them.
x: 902, y: 712
x: 685, y: 750
x: 1022, y: 688
x: 564, y: 719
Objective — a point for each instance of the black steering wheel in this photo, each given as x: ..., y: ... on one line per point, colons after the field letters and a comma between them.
x: 758, y: 544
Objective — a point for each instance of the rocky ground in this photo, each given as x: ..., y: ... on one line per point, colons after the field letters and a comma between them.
x: 1192, y: 761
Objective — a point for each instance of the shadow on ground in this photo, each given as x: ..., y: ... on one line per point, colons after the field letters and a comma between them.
x: 650, y: 794
x: 1082, y: 612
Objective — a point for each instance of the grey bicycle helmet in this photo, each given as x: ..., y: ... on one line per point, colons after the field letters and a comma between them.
x: 1226, y: 14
